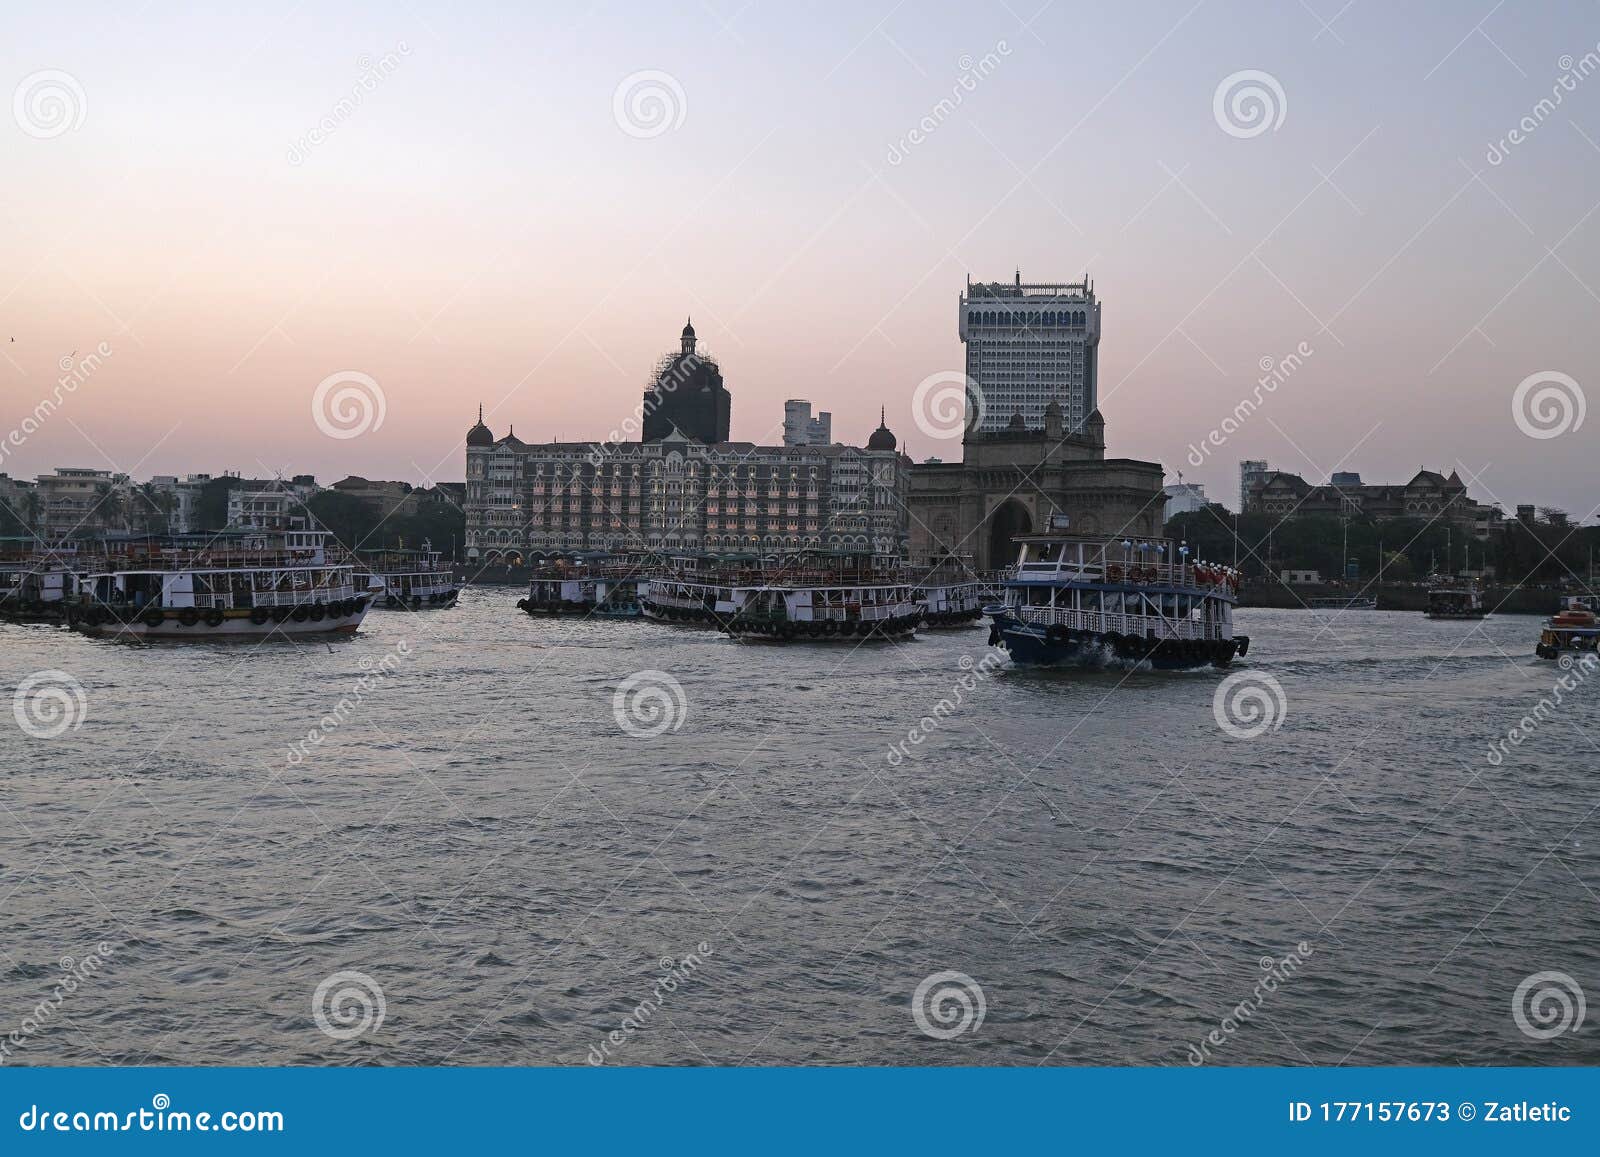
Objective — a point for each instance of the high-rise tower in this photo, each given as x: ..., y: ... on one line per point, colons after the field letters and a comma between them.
x: 1029, y: 344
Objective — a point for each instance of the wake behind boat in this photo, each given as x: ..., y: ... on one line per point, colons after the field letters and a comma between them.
x: 1081, y: 601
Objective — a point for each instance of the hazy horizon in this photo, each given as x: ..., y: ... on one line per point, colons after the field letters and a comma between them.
x: 482, y: 217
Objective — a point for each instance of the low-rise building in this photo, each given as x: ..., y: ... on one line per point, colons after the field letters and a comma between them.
x: 383, y: 499
x: 79, y: 502
x: 1428, y: 495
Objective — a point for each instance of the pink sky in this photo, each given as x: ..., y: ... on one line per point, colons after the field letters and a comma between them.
x: 481, y: 228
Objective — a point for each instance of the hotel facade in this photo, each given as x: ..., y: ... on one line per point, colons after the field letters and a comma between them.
x: 674, y: 492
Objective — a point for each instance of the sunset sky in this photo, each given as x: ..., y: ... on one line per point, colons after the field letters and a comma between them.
x: 480, y: 224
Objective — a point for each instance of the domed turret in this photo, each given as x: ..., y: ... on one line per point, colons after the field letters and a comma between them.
x: 1016, y: 422
x: 480, y: 435
x: 688, y: 336
x: 882, y: 438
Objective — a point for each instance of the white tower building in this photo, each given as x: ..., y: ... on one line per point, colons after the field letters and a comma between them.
x: 801, y: 429
x: 1029, y: 344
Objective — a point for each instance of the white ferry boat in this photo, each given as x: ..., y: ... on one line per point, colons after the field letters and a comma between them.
x: 602, y: 588
x: 951, y: 602
x: 37, y: 579
x: 695, y: 590
x: 841, y: 600
x: 407, y: 579
x: 232, y: 585
x: 1079, y: 601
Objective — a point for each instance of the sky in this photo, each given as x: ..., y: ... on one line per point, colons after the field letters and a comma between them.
x: 518, y: 205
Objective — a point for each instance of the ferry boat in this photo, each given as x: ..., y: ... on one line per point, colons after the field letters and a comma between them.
x: 605, y: 589
x: 407, y: 579
x: 949, y: 600
x: 695, y: 590
x: 826, y: 598
x: 1573, y: 631
x: 37, y: 579
x: 1454, y: 598
x: 1079, y: 601
x: 232, y: 585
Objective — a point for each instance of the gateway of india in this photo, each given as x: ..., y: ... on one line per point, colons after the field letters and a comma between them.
x: 1034, y: 444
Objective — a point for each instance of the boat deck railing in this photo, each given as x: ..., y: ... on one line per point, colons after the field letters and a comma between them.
x: 1191, y: 575
x: 1107, y: 622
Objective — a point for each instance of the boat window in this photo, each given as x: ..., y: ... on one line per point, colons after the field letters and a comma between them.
x: 1091, y: 600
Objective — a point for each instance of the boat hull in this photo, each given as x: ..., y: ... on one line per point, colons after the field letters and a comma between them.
x: 684, y: 616
x: 436, y: 601
x: 1031, y: 645
x: 236, y: 624
x: 784, y: 631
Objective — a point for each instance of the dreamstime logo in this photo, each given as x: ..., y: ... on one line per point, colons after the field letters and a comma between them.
x: 649, y: 703
x: 1274, y: 973
x: 374, y: 673
x: 972, y: 72
x: 1248, y: 103
x: 1249, y: 703
x: 348, y: 1004
x: 49, y: 103
x: 947, y: 404
x: 1576, y: 670
x: 372, y: 74
x: 648, y: 103
x: 1548, y: 404
x: 948, y: 1004
x: 946, y: 707
x: 674, y: 973
x: 1274, y: 372
x: 75, y: 973
x: 75, y: 371
x: 348, y: 404
x: 1548, y: 1004
x: 1572, y: 72
x: 50, y: 703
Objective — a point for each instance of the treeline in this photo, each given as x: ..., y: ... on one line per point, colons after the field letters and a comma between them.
x: 1545, y: 553
x: 359, y: 526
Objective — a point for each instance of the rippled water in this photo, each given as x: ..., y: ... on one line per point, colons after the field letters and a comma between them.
x: 481, y: 839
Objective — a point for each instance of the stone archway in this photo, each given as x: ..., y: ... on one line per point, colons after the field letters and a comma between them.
x: 1009, y: 518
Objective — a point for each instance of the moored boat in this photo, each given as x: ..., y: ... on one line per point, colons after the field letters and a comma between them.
x: 950, y: 603
x: 815, y: 597
x: 407, y: 579
x: 1081, y: 601
x: 234, y: 585
x: 603, y: 588
x: 694, y: 590
x: 37, y: 579
x: 1454, y: 598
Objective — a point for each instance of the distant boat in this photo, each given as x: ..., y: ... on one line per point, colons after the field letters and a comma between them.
x: 407, y: 579
x: 603, y: 587
x: 1454, y: 598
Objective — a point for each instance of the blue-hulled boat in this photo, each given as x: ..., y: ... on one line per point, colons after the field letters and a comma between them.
x: 1075, y: 600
